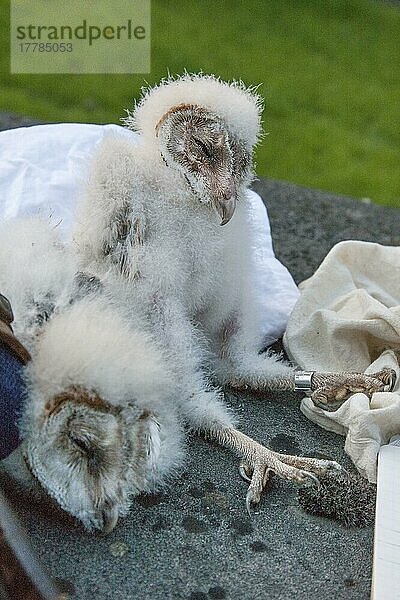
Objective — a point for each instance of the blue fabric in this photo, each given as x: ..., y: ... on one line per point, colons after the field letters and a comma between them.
x: 12, y: 395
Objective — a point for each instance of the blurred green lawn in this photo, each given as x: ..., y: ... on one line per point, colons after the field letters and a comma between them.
x: 330, y: 75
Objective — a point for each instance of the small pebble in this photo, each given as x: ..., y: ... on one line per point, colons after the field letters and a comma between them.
x: 118, y: 549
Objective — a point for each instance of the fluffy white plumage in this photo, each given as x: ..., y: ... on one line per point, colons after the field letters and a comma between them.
x: 80, y: 339
x: 173, y: 247
x: 239, y: 106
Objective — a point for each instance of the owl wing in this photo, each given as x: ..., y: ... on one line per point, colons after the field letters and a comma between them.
x: 110, y: 221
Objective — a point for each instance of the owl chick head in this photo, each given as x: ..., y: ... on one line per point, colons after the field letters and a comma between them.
x: 95, y: 431
x: 205, y: 129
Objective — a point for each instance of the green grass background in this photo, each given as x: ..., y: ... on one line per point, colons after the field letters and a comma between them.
x: 329, y: 72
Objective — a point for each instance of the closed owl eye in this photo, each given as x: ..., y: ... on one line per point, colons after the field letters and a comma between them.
x: 92, y: 454
x: 82, y: 443
x: 205, y: 149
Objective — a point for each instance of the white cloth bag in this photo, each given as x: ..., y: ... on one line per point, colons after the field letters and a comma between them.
x: 348, y: 319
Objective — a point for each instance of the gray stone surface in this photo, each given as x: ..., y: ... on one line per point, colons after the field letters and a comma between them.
x: 195, y: 541
x: 11, y: 121
x: 307, y: 223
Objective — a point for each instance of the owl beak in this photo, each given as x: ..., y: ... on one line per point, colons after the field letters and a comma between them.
x: 225, y: 203
x: 225, y: 209
x: 108, y: 519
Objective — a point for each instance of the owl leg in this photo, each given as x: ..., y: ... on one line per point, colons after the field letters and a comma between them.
x: 201, y: 404
x: 260, y: 462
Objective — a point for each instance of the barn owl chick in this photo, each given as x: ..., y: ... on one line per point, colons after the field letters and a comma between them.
x: 99, y: 423
x: 151, y: 215
x: 196, y: 125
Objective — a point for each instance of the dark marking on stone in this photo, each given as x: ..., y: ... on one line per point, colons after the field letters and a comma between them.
x: 215, y: 501
x: 65, y: 586
x: 349, y: 582
x: 193, y: 525
x: 214, y: 522
x: 160, y: 525
x: 198, y: 596
x: 258, y: 546
x: 241, y: 526
x: 217, y: 593
x: 209, y: 486
x: 285, y: 443
x: 149, y: 500
x: 188, y: 550
x: 196, y: 492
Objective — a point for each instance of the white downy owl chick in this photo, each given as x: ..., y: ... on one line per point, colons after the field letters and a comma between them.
x: 171, y: 216
x: 99, y: 423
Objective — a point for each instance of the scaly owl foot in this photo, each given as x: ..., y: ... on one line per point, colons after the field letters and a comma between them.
x: 260, y: 462
x: 298, y: 469
x: 332, y: 389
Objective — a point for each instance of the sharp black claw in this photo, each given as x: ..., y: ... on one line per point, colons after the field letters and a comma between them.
x: 311, y: 479
x: 243, y: 473
x: 392, y: 381
x: 248, y: 502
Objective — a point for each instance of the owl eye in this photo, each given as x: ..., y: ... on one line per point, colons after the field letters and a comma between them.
x: 81, y: 443
x: 204, y: 148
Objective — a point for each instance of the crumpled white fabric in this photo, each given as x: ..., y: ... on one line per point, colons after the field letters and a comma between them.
x: 43, y: 168
x: 348, y: 319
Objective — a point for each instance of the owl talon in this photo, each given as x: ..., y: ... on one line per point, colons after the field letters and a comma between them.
x: 244, y: 470
x: 309, y: 479
x: 288, y: 467
x: 249, y: 501
x: 258, y: 481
